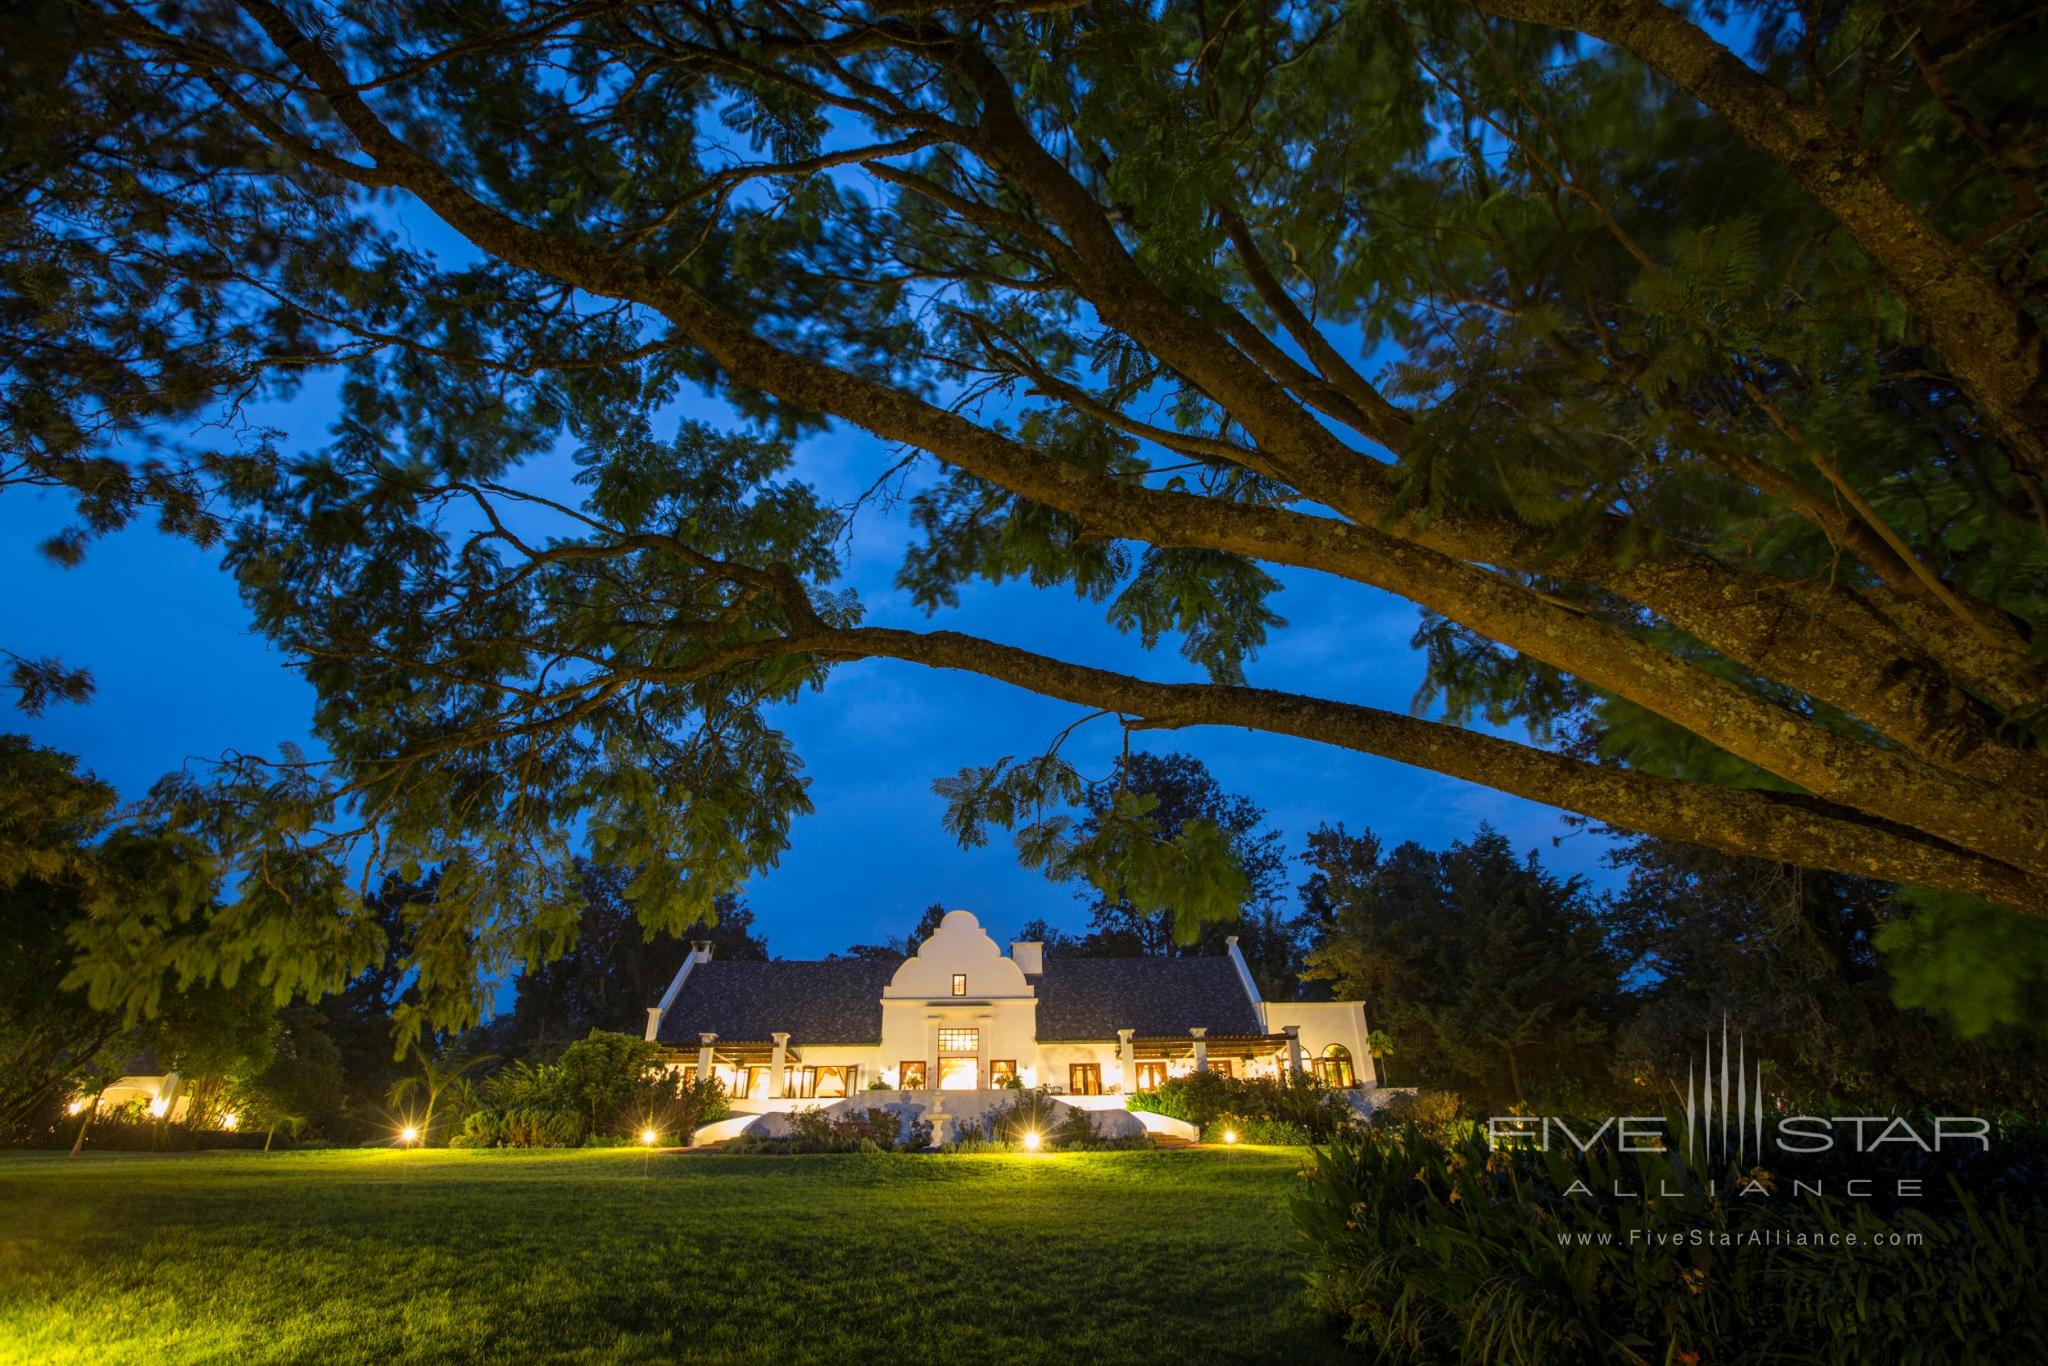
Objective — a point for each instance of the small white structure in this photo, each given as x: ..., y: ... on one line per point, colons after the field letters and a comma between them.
x: 961, y: 1015
x: 162, y: 1097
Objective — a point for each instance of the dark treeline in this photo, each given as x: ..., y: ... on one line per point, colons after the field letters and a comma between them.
x: 1484, y: 974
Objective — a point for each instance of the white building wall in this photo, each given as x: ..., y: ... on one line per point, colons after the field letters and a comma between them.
x: 1323, y: 1023
x: 995, y: 999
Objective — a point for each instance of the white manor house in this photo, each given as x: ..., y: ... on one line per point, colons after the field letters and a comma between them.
x: 961, y: 1015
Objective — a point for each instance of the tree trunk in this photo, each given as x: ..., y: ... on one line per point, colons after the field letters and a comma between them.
x: 85, y: 1124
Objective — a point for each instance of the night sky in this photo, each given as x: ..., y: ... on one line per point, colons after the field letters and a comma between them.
x: 182, y: 677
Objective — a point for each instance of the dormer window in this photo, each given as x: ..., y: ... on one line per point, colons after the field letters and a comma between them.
x: 959, y: 984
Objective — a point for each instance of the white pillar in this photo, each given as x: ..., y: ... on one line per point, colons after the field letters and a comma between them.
x: 931, y: 1062
x: 1127, y: 1060
x: 984, y: 1026
x: 704, y: 1058
x: 1201, y: 1035
x: 776, y: 1063
x: 1293, y: 1033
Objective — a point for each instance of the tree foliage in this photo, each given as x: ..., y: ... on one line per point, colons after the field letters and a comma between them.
x: 614, y: 969
x: 1492, y: 973
x: 1695, y: 395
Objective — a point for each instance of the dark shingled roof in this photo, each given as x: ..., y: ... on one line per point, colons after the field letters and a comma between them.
x: 817, y: 1003
x: 1092, y: 998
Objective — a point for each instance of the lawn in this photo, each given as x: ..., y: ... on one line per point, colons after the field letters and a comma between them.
x: 374, y: 1256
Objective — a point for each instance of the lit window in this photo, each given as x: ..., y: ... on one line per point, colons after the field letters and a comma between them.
x: 959, y: 1074
x: 910, y: 1075
x: 1001, y: 1071
x: 959, y: 984
x: 1151, y: 1075
x: 959, y: 1041
x: 1334, y: 1067
x: 1084, y: 1078
x: 1221, y: 1067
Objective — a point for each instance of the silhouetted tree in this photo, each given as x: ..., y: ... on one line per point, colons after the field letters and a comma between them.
x: 614, y: 969
x: 902, y: 946
x: 1490, y: 975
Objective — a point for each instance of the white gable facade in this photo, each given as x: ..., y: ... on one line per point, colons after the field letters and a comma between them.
x: 963, y: 1015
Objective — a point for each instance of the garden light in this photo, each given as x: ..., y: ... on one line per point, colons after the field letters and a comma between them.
x: 75, y: 1106
x: 231, y: 1122
x: 159, y: 1108
x: 648, y: 1136
x: 408, y: 1134
x: 1230, y: 1135
x: 1031, y: 1141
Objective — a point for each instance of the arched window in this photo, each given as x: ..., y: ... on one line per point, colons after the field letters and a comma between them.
x: 1334, y: 1067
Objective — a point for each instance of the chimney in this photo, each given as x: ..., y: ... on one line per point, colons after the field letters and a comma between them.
x: 701, y: 950
x: 1029, y: 956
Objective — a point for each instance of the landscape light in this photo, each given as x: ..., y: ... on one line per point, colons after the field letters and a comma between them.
x: 408, y: 1134
x: 648, y: 1136
x: 1031, y: 1140
x: 159, y: 1108
x: 75, y: 1106
x: 1230, y: 1135
x: 231, y: 1122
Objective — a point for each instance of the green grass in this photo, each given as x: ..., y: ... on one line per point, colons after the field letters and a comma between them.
x: 1179, y: 1256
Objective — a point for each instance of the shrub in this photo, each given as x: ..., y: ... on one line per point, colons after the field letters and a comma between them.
x: 536, y: 1127
x: 1075, y: 1128
x: 607, y: 1085
x: 480, y: 1129
x: 865, y: 1131
x: 1434, y: 1112
x: 1026, y: 1112
x: 1436, y: 1250
x: 1301, y: 1102
x: 1274, y: 1131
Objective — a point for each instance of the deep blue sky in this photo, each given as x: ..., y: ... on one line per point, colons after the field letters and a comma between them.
x: 182, y: 677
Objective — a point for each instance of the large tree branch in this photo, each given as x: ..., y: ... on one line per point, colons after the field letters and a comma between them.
x: 1799, y: 751
x: 1709, y: 600
x: 1786, y: 827
x: 1884, y: 783
x: 1985, y: 335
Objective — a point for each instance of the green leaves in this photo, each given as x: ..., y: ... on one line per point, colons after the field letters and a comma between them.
x: 1980, y: 965
x: 1192, y: 876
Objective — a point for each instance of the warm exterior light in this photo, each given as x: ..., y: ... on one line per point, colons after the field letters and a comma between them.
x: 648, y: 1136
x: 408, y: 1134
x: 75, y: 1106
x: 1031, y: 1140
x: 159, y: 1108
x: 231, y: 1122
x: 1230, y: 1135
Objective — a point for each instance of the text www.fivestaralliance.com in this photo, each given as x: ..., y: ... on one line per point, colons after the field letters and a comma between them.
x: 1707, y: 1237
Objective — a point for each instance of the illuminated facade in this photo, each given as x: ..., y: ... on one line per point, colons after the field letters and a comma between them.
x: 961, y: 1014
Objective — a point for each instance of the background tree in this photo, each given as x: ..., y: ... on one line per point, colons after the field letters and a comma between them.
x: 1682, y: 390
x: 614, y: 968
x: 211, y: 1035
x: 359, y: 1018
x: 1793, y: 960
x: 51, y: 1039
x: 1185, y: 791
x: 1488, y: 973
x: 301, y: 1082
x: 902, y: 946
